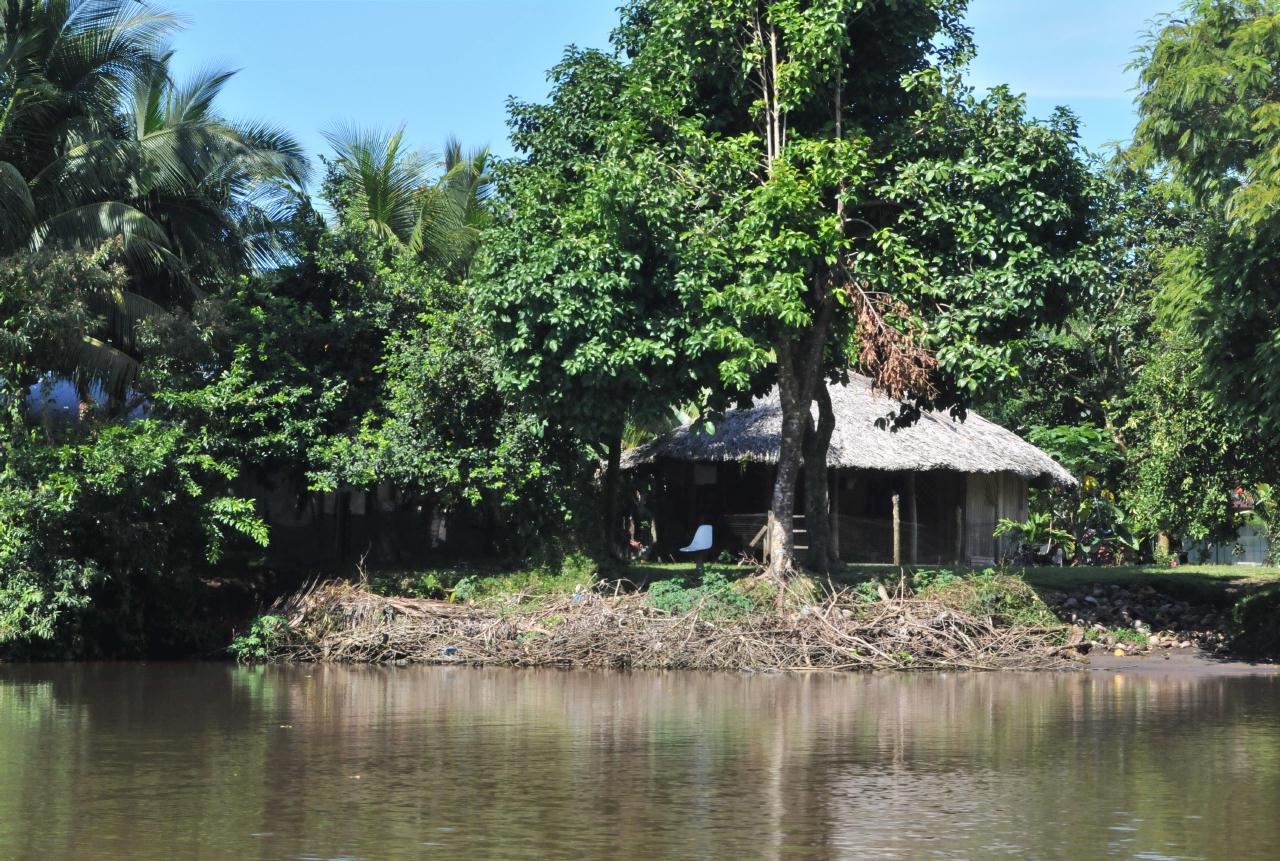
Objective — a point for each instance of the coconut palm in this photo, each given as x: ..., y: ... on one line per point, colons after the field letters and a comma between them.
x: 470, y: 187
x: 102, y: 153
x: 64, y: 68
x: 433, y: 206
x: 218, y: 189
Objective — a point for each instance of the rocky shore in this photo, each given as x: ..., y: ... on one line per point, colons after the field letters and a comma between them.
x: 1141, y: 619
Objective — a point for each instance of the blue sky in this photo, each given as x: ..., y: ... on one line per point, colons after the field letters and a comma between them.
x: 448, y: 67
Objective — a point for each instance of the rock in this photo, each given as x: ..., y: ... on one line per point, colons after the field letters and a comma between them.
x: 1089, y: 599
x: 1153, y: 640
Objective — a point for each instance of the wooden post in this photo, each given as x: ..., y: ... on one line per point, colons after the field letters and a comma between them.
x: 897, y: 530
x: 959, y: 534
x: 834, y: 503
x: 768, y: 538
x: 915, y: 518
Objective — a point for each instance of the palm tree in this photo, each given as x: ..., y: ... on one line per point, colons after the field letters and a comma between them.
x: 102, y: 153
x: 64, y: 68
x: 470, y: 187
x: 435, y: 207
x: 218, y: 189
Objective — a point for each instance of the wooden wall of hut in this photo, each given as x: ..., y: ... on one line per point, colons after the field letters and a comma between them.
x: 734, y: 498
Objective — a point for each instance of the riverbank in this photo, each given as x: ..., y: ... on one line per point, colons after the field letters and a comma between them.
x: 922, y: 620
x: 1179, y: 663
x: 987, y: 623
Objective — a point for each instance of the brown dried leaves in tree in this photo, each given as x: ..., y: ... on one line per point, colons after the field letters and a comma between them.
x: 889, y: 351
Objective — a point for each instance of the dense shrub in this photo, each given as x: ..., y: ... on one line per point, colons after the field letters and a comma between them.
x: 1256, y: 624
x: 123, y: 519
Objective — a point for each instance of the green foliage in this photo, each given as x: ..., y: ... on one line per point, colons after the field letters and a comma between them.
x: 260, y: 641
x: 120, y: 521
x: 1005, y: 598
x: 933, y: 579
x: 1210, y: 117
x: 714, y: 597
x: 1186, y: 452
x: 1256, y: 624
x: 1078, y: 374
x: 1117, y: 635
x: 1082, y: 449
x: 437, y: 426
x: 580, y: 281
x: 867, y: 591
x: 1037, y: 529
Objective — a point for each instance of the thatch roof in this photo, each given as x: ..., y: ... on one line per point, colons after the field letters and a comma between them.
x: 936, y: 441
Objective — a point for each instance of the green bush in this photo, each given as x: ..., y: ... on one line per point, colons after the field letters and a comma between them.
x: 1256, y: 624
x: 103, y: 539
x: 260, y: 641
x: 935, y: 579
x: 714, y: 597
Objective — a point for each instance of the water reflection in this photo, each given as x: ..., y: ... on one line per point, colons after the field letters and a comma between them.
x: 213, y: 762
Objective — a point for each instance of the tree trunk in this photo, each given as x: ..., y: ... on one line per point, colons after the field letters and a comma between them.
x: 612, y: 508
x: 817, y: 508
x: 782, y: 561
x: 798, y: 379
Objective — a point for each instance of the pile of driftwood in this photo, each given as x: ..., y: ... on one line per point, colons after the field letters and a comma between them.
x: 344, y: 623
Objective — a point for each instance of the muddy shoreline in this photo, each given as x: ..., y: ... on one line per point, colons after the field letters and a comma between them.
x: 1190, y: 662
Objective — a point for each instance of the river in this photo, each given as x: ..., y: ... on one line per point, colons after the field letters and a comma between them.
x: 211, y: 761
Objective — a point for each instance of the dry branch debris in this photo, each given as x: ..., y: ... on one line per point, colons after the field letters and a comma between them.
x: 342, y: 623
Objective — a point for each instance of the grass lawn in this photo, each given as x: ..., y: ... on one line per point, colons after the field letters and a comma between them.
x: 1199, y: 583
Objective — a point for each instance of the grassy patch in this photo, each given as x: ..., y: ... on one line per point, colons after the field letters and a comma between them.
x: 1218, y: 585
x: 1006, y: 599
x: 480, y: 583
x: 1204, y: 584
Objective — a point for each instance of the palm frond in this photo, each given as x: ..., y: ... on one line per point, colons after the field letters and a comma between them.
x: 91, y: 227
x: 382, y: 177
x: 17, y: 209
x: 95, y: 361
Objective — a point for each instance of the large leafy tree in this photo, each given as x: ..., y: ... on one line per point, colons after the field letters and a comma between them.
x: 810, y: 186
x: 1186, y: 452
x: 580, y: 279
x: 1080, y: 372
x: 1209, y: 107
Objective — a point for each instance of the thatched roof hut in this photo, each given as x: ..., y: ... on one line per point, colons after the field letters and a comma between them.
x: 947, y: 482
x: 936, y: 442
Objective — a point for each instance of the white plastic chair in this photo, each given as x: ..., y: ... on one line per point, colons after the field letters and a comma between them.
x: 701, y: 540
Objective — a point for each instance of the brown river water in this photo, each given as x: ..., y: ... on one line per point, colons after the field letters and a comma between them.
x: 209, y: 761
